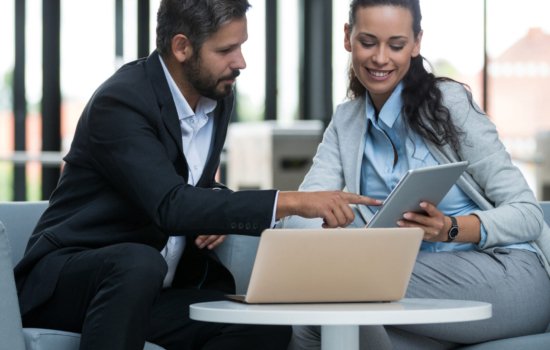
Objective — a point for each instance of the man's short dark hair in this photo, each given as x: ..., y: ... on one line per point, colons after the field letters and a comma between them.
x: 196, y: 19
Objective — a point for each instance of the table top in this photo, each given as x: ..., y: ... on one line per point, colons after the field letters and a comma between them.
x: 405, y: 311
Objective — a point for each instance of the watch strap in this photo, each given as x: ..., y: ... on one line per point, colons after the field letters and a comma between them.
x: 453, y: 230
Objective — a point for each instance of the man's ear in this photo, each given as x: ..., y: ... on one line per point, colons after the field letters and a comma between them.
x: 181, y: 48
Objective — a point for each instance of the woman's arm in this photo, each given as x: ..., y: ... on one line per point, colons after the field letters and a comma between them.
x: 509, y: 210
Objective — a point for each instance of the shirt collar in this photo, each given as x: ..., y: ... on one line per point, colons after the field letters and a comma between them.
x: 391, y: 110
x: 204, y: 106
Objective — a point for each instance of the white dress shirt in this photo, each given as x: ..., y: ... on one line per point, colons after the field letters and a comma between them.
x: 196, y: 129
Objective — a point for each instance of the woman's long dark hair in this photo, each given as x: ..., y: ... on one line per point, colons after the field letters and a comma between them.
x: 420, y: 90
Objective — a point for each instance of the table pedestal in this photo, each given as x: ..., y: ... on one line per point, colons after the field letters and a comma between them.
x: 340, y: 337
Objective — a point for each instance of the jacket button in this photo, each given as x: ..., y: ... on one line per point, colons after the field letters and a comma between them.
x: 233, y: 225
x: 247, y: 226
x: 241, y: 225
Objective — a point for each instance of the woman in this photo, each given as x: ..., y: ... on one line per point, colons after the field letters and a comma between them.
x: 400, y: 117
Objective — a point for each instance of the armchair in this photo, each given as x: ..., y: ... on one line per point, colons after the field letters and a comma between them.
x: 17, y: 220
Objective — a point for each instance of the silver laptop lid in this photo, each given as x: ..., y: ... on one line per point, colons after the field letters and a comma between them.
x: 333, y: 265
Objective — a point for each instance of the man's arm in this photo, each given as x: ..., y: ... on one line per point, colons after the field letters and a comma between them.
x: 332, y: 206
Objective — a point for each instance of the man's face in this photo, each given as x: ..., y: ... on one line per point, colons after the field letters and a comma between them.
x: 212, y: 72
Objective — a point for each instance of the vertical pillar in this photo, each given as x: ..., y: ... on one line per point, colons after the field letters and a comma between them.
x: 271, y: 60
x: 143, y: 28
x: 316, y: 60
x: 485, y: 61
x: 119, y: 32
x: 51, y: 91
x: 19, y: 100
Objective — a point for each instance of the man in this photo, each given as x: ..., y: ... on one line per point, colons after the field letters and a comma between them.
x: 125, y: 245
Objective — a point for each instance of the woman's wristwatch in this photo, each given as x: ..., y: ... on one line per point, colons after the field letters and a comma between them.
x: 453, y: 231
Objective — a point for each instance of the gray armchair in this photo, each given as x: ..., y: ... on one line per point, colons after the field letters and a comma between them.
x: 530, y: 342
x: 10, y: 320
x: 17, y: 220
x: 237, y: 253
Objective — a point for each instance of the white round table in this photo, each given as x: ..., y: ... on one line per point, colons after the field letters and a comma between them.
x: 340, y: 321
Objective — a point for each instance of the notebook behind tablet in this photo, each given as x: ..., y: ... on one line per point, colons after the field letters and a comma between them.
x: 333, y: 265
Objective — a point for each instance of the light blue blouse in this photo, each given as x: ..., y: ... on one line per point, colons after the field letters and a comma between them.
x: 387, y: 135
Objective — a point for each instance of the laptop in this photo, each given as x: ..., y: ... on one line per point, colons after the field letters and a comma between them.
x: 332, y: 265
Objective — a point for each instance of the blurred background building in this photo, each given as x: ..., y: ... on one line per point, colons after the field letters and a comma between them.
x: 56, y: 53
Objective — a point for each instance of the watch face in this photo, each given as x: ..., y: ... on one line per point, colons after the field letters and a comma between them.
x: 453, y: 232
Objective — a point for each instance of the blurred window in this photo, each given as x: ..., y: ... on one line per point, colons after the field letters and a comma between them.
x: 519, y: 80
x: 251, y: 82
x: 87, y: 56
x: 518, y: 54
x: 7, y: 59
x: 518, y: 49
x: 288, y: 61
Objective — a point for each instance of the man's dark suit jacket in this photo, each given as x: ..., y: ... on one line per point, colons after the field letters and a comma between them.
x: 125, y: 180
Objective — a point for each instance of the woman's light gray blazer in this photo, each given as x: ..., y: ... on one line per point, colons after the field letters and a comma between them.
x: 509, y: 210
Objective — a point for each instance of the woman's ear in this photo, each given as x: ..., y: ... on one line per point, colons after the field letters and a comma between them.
x: 417, y: 42
x: 181, y: 48
x: 347, y: 37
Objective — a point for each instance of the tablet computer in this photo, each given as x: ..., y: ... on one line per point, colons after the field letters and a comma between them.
x: 428, y: 184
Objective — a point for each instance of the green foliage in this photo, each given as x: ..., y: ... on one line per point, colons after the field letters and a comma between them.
x: 444, y: 68
x: 6, y: 90
x: 6, y: 181
x: 248, y: 110
x: 34, y: 184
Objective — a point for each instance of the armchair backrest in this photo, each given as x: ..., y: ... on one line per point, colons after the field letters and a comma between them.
x: 17, y: 221
x: 545, y: 205
x: 11, y: 334
x: 20, y: 218
x: 237, y: 252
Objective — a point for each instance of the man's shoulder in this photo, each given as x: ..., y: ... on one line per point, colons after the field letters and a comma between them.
x: 131, y: 82
x: 132, y: 73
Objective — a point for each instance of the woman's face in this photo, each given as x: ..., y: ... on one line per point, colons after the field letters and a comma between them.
x: 381, y: 43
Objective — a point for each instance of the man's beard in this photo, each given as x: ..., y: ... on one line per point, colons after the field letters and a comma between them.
x: 205, y: 84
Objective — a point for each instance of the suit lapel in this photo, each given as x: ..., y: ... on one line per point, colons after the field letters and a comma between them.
x: 221, y: 118
x: 356, y: 136
x: 169, y: 116
x: 167, y: 107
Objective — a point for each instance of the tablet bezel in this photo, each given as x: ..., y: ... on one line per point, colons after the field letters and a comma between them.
x: 429, y: 184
